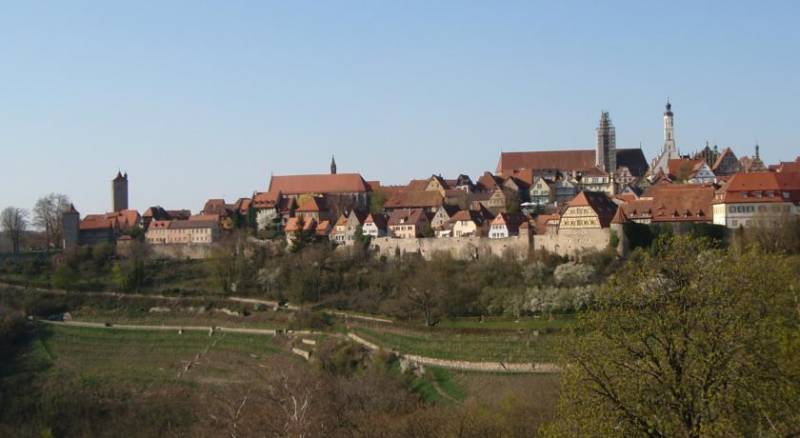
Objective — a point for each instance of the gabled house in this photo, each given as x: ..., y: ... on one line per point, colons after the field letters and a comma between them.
x: 497, y: 201
x: 588, y: 210
x: 695, y: 171
x: 505, y: 225
x: 464, y: 183
x: 375, y: 225
x: 338, y: 233
x: 595, y: 180
x: 299, y: 224
x: 312, y: 206
x: 541, y: 192
x: 671, y: 203
x: 407, y: 223
x: 726, y: 164
x: 323, y: 229
x: 355, y: 220
x: 443, y: 216
x: 426, y: 200
x: 566, y: 189
x: 467, y: 223
x: 759, y: 197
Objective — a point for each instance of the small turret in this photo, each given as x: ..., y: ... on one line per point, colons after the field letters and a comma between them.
x: 333, y: 165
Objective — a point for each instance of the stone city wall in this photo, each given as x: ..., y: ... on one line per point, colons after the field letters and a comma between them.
x: 182, y: 250
x: 571, y: 241
x: 566, y: 242
x: 458, y: 247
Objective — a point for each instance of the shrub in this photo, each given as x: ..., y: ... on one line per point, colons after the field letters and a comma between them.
x: 573, y: 274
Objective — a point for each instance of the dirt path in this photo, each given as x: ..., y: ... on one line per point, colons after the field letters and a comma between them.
x: 244, y: 300
x: 463, y: 365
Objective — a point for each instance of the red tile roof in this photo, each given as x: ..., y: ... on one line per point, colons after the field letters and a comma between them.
x: 378, y: 219
x: 673, y: 203
x: 311, y: 204
x: 406, y: 216
x: 597, y: 201
x: 415, y: 199
x: 760, y: 187
x: 681, y: 165
x: 96, y: 222
x: 567, y: 160
x: 293, y: 224
x: 321, y: 183
x: 266, y: 199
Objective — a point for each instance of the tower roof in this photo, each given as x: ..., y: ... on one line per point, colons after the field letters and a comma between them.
x: 119, y: 176
x: 668, y: 112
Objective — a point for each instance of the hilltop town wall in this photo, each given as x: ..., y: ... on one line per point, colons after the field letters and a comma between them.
x: 458, y: 247
x: 571, y: 241
x: 566, y: 242
x: 182, y: 250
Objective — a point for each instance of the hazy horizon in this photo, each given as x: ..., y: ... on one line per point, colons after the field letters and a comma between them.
x: 202, y: 100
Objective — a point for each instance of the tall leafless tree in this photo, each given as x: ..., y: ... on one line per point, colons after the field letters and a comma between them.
x: 47, y: 216
x: 14, y: 221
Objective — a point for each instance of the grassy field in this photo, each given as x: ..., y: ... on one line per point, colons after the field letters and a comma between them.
x: 146, y: 357
x: 557, y: 322
x: 447, y: 344
x: 265, y: 320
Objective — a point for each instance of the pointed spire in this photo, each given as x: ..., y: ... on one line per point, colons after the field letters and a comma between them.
x: 757, y: 150
x: 333, y: 165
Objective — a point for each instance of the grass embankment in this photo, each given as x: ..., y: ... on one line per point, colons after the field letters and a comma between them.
x: 145, y: 356
x: 481, y: 346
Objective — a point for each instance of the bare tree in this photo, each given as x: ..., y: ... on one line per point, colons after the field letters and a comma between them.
x: 14, y: 221
x: 47, y: 216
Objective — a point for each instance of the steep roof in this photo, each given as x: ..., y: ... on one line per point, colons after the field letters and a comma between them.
x: 311, y: 204
x: 597, y: 201
x: 673, y: 203
x: 192, y: 224
x: 266, y: 199
x: 722, y: 157
x: 415, y: 199
x: 293, y: 224
x: 378, y: 219
x: 619, y: 217
x: 405, y: 216
x: 320, y: 183
x: 215, y: 206
x: 758, y: 187
x: 678, y: 165
x: 96, y: 222
x: 567, y: 160
x: 467, y: 215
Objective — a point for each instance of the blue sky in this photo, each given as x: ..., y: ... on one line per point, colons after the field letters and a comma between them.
x: 207, y: 99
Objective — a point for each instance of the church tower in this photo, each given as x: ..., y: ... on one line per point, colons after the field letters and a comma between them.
x: 119, y: 192
x: 669, y: 133
x: 333, y: 165
x: 606, y: 154
x: 670, y: 150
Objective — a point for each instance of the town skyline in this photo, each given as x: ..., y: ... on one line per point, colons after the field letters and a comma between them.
x: 204, y: 102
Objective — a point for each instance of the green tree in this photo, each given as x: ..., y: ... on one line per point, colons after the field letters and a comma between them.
x: 689, y: 340
x: 376, y: 201
x: 130, y: 273
x: 65, y: 276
